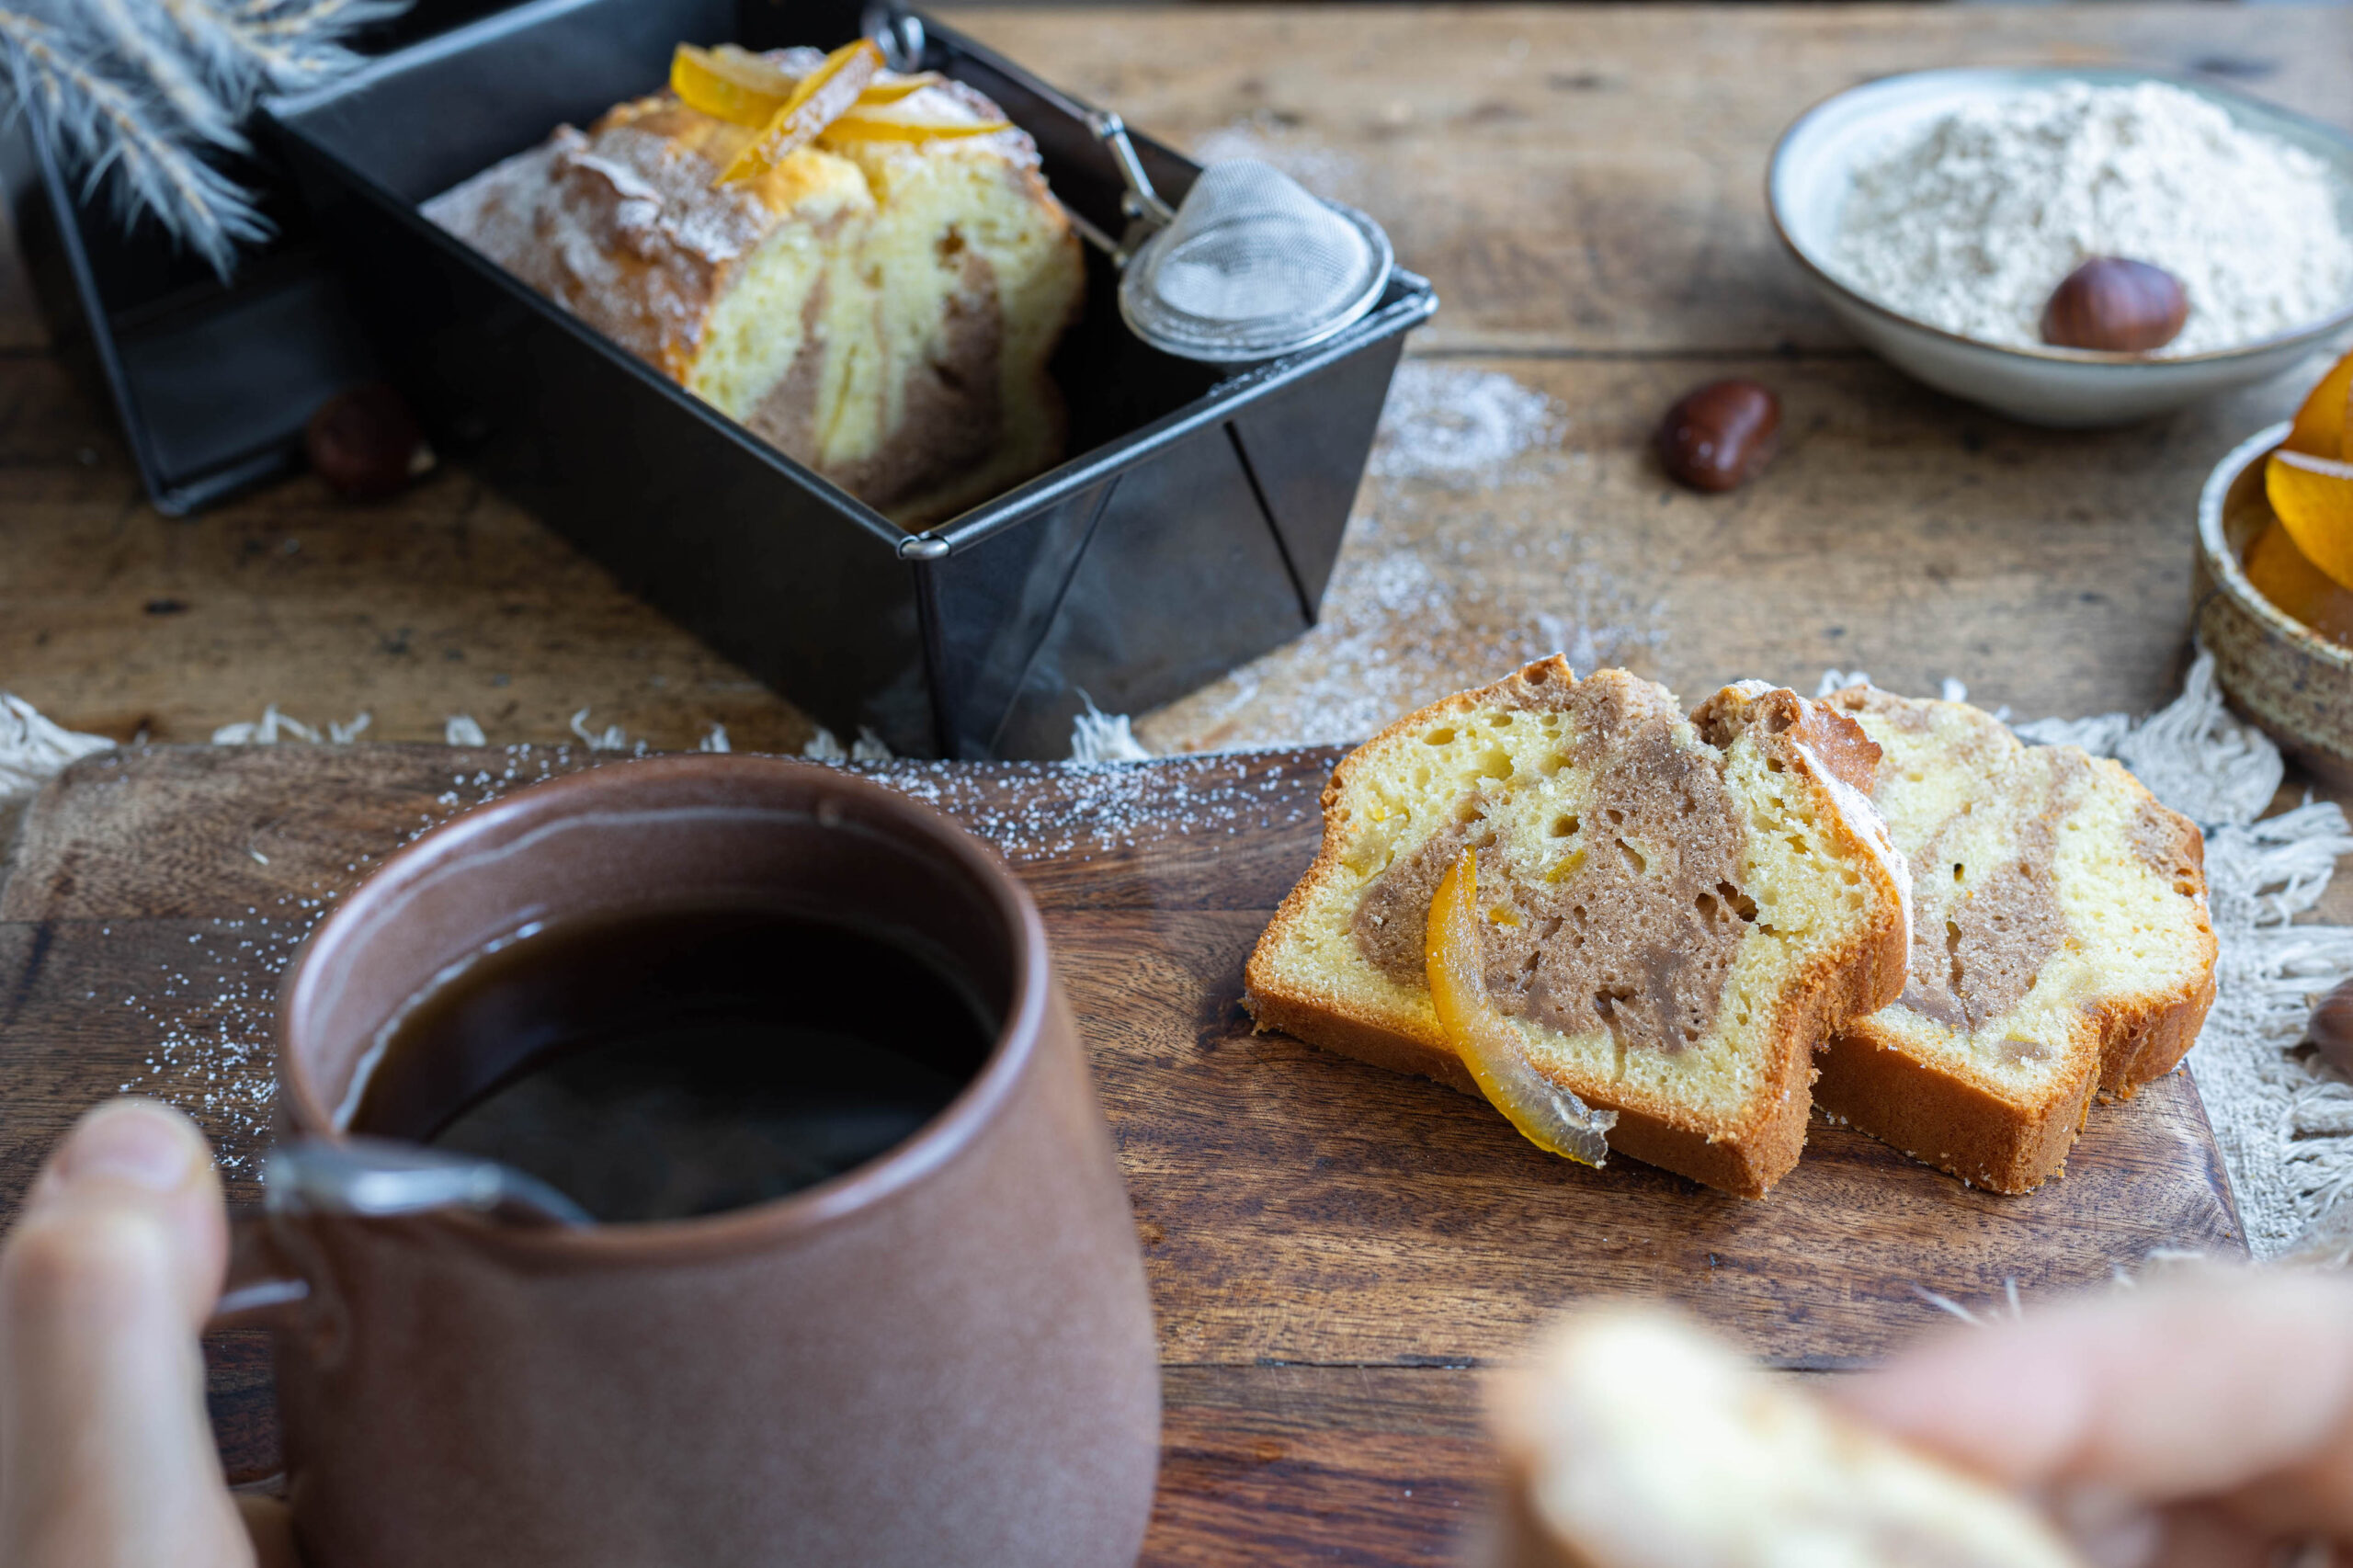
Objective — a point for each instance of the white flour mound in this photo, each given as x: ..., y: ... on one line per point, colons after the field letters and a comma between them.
x: 1970, y: 225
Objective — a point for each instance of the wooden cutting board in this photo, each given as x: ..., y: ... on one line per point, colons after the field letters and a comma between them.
x: 1333, y: 1250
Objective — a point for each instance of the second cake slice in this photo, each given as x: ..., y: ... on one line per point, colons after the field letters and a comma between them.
x: 1673, y: 912
x: 2060, y: 945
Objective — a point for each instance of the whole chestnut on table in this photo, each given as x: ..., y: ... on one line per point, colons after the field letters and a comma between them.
x: 1720, y: 436
x: 365, y: 443
x: 2331, y: 1028
x: 2117, y: 305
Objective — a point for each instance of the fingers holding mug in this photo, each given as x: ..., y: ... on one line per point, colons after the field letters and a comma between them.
x: 109, y: 1273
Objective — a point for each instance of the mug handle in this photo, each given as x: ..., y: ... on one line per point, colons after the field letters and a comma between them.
x: 263, y: 1285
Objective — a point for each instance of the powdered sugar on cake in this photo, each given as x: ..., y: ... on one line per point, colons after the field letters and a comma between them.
x: 1969, y: 223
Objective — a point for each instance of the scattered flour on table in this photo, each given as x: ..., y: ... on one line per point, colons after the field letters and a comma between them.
x: 1397, y: 632
x: 1417, y: 607
x: 1454, y: 423
x: 1969, y: 224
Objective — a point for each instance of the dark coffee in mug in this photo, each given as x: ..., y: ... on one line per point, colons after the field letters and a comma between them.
x: 661, y: 1064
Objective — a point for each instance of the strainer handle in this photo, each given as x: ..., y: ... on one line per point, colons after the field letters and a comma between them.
x: 1141, y: 200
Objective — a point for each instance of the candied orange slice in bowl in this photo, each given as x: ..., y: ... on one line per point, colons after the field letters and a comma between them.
x: 815, y: 102
x: 2324, y: 424
x: 2313, y: 498
x: 1551, y: 1117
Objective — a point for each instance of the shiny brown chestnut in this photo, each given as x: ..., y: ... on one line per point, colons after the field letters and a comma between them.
x: 1721, y: 435
x: 2117, y: 305
x: 366, y: 444
x: 2331, y: 1030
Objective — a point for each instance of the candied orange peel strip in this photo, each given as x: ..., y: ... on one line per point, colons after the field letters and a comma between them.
x: 2324, y: 424
x: 898, y: 87
x: 729, y: 84
x: 817, y: 100
x: 2314, y: 500
x: 889, y: 124
x: 1551, y: 1117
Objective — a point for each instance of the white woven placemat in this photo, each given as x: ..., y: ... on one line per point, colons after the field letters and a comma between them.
x: 2284, y: 1121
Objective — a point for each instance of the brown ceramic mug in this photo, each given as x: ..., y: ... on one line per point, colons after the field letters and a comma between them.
x: 944, y: 1356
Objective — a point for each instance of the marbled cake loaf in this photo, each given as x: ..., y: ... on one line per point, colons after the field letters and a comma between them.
x: 882, y: 310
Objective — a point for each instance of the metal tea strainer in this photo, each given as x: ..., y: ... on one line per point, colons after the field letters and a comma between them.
x: 1248, y: 266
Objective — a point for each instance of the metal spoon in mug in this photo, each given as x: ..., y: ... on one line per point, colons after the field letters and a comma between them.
x: 381, y: 1179
x: 375, y: 1179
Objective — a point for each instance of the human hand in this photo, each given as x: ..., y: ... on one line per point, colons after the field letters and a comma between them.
x: 107, y: 1459
x: 2207, y: 1421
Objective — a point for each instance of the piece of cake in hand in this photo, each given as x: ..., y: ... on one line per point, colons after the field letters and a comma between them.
x: 880, y: 305
x: 1634, y: 1439
x: 2060, y: 945
x: 1669, y: 913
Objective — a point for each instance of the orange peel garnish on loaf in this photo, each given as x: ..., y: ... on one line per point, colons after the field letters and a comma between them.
x: 731, y: 83
x: 817, y: 100
x: 902, y: 122
x: 1551, y: 1117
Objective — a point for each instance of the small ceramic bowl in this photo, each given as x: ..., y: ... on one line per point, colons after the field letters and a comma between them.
x: 2279, y: 671
x: 1812, y: 172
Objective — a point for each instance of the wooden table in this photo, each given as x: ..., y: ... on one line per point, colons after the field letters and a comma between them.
x: 1584, y: 185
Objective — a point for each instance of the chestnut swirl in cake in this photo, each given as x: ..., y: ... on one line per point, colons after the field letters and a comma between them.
x: 882, y: 310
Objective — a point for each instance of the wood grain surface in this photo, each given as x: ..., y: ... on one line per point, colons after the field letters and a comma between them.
x: 1333, y: 1250
x: 1583, y: 184
x: 1589, y: 178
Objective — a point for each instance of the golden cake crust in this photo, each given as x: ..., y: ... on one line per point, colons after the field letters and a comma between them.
x: 1744, y: 1155
x: 919, y: 411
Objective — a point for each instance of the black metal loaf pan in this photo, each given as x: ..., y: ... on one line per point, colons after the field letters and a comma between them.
x: 1193, y: 526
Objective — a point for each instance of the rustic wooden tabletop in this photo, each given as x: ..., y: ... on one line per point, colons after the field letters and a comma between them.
x: 1584, y: 185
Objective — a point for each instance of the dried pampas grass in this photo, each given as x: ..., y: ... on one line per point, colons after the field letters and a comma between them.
x: 144, y: 96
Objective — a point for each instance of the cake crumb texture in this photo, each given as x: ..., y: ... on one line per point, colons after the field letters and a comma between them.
x: 1634, y: 1439
x: 1671, y: 923
x: 2060, y: 945
x: 882, y: 312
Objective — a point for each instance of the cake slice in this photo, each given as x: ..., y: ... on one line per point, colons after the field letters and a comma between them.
x: 1633, y: 1440
x: 2060, y: 945
x: 882, y: 310
x: 1676, y: 911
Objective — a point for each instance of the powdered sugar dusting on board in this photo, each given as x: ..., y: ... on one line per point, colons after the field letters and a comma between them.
x: 213, y: 1007
x: 210, y: 1007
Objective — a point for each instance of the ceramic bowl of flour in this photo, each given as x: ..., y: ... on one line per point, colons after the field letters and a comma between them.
x: 1816, y: 173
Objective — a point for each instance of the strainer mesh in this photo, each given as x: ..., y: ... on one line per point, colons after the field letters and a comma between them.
x: 1251, y: 257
